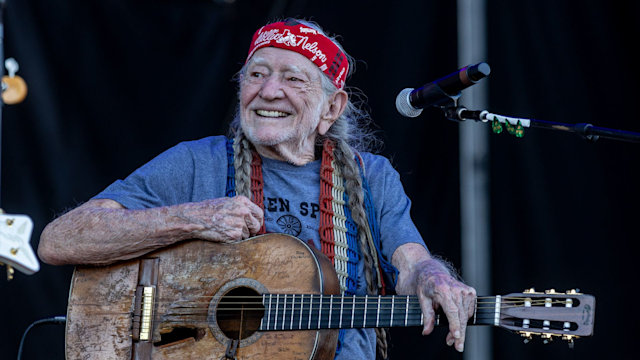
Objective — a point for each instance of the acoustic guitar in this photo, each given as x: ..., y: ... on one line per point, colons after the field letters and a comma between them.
x: 268, y: 297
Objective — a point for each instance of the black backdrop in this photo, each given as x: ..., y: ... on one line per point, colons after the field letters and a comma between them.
x: 113, y: 82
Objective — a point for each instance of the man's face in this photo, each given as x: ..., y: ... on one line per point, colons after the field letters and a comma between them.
x: 281, y: 98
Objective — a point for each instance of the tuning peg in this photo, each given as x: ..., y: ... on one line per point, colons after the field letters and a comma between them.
x: 12, y: 66
x: 10, y: 272
x: 573, y: 292
x: 527, y: 336
x: 550, y: 291
x: 546, y: 338
x: 569, y: 339
x: 529, y: 291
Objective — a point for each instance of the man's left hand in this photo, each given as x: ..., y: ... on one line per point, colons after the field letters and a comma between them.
x: 438, y: 289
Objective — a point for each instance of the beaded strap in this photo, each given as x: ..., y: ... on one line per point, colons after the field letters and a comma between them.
x: 327, y: 242
x: 257, y: 185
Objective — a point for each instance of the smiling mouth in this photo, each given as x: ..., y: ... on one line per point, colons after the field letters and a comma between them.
x: 272, y: 113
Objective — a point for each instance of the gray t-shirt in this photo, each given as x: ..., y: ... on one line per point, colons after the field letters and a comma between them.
x: 197, y: 170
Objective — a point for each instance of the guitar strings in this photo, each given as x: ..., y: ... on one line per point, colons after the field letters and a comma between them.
x: 359, y: 300
x: 371, y: 302
x: 198, y: 309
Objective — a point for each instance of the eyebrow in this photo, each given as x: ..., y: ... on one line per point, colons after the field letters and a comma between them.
x: 288, y: 67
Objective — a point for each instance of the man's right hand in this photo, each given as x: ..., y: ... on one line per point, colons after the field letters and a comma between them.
x: 224, y: 219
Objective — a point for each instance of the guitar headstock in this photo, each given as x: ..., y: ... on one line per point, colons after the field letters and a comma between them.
x: 548, y: 314
x: 15, y: 250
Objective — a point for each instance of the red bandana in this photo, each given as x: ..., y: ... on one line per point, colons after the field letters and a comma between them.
x: 294, y: 36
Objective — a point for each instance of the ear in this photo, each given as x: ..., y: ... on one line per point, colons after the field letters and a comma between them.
x: 337, y: 102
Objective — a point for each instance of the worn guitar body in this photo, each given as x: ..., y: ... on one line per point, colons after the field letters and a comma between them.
x: 188, y: 279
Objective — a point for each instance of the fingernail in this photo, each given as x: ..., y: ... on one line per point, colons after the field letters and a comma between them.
x: 450, y: 342
x: 456, y: 334
x: 460, y: 347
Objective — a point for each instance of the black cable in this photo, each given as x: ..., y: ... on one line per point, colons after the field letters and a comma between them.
x: 54, y: 320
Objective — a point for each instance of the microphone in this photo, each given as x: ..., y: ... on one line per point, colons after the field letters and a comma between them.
x: 410, y: 102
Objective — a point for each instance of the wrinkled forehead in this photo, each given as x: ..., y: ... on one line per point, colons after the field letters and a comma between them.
x: 282, y: 60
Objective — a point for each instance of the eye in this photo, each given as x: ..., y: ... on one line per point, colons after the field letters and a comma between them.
x: 294, y: 79
x: 256, y: 74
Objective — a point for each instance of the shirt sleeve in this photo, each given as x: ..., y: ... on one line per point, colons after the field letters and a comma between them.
x: 165, y: 180
x: 392, y: 206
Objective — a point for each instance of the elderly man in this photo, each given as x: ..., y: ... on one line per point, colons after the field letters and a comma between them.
x: 296, y: 142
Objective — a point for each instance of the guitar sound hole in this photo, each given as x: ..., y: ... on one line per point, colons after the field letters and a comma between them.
x: 239, y: 313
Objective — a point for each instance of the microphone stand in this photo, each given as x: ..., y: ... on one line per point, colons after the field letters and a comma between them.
x: 515, y: 126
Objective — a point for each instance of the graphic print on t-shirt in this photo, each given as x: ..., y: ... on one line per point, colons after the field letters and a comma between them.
x: 289, y: 224
x: 290, y: 217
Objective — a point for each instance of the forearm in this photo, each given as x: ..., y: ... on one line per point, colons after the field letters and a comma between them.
x: 102, y: 231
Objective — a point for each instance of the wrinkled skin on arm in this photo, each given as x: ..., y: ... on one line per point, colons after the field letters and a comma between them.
x: 423, y: 275
x: 102, y: 231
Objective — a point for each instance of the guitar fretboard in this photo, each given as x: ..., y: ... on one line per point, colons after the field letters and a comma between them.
x: 309, y: 312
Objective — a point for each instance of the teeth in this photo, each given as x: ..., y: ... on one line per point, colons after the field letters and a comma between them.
x: 271, y: 113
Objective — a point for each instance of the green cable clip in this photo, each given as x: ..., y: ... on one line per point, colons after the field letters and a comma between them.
x: 519, y: 130
x: 496, y: 126
x: 510, y: 128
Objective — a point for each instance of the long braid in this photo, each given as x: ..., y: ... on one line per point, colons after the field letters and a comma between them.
x: 345, y: 158
x: 242, y: 163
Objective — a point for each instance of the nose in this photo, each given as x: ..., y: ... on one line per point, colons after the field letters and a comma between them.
x: 271, y: 88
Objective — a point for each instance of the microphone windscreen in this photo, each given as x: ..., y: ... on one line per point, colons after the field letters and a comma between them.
x: 403, y: 104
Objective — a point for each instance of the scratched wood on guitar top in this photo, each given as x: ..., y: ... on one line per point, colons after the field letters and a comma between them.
x: 190, y: 274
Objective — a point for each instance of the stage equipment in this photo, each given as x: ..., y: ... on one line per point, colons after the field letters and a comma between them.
x: 410, y: 102
x: 15, y: 230
x: 445, y: 92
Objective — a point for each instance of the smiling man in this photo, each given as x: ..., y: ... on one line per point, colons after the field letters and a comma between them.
x: 295, y: 162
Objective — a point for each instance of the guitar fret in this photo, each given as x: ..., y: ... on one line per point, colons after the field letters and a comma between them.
x: 310, y: 311
x: 269, y: 312
x: 341, y: 310
x: 262, y: 320
x: 293, y: 304
x: 353, y: 309
x: 301, y: 308
x: 330, y: 311
x: 378, y: 313
x: 496, y: 318
x: 275, y: 317
x: 284, y: 311
x: 393, y: 299
x: 364, y: 320
x: 406, y: 312
x: 320, y: 312
x: 475, y: 312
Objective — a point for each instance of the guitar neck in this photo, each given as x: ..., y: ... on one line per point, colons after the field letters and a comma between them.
x: 310, y: 312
